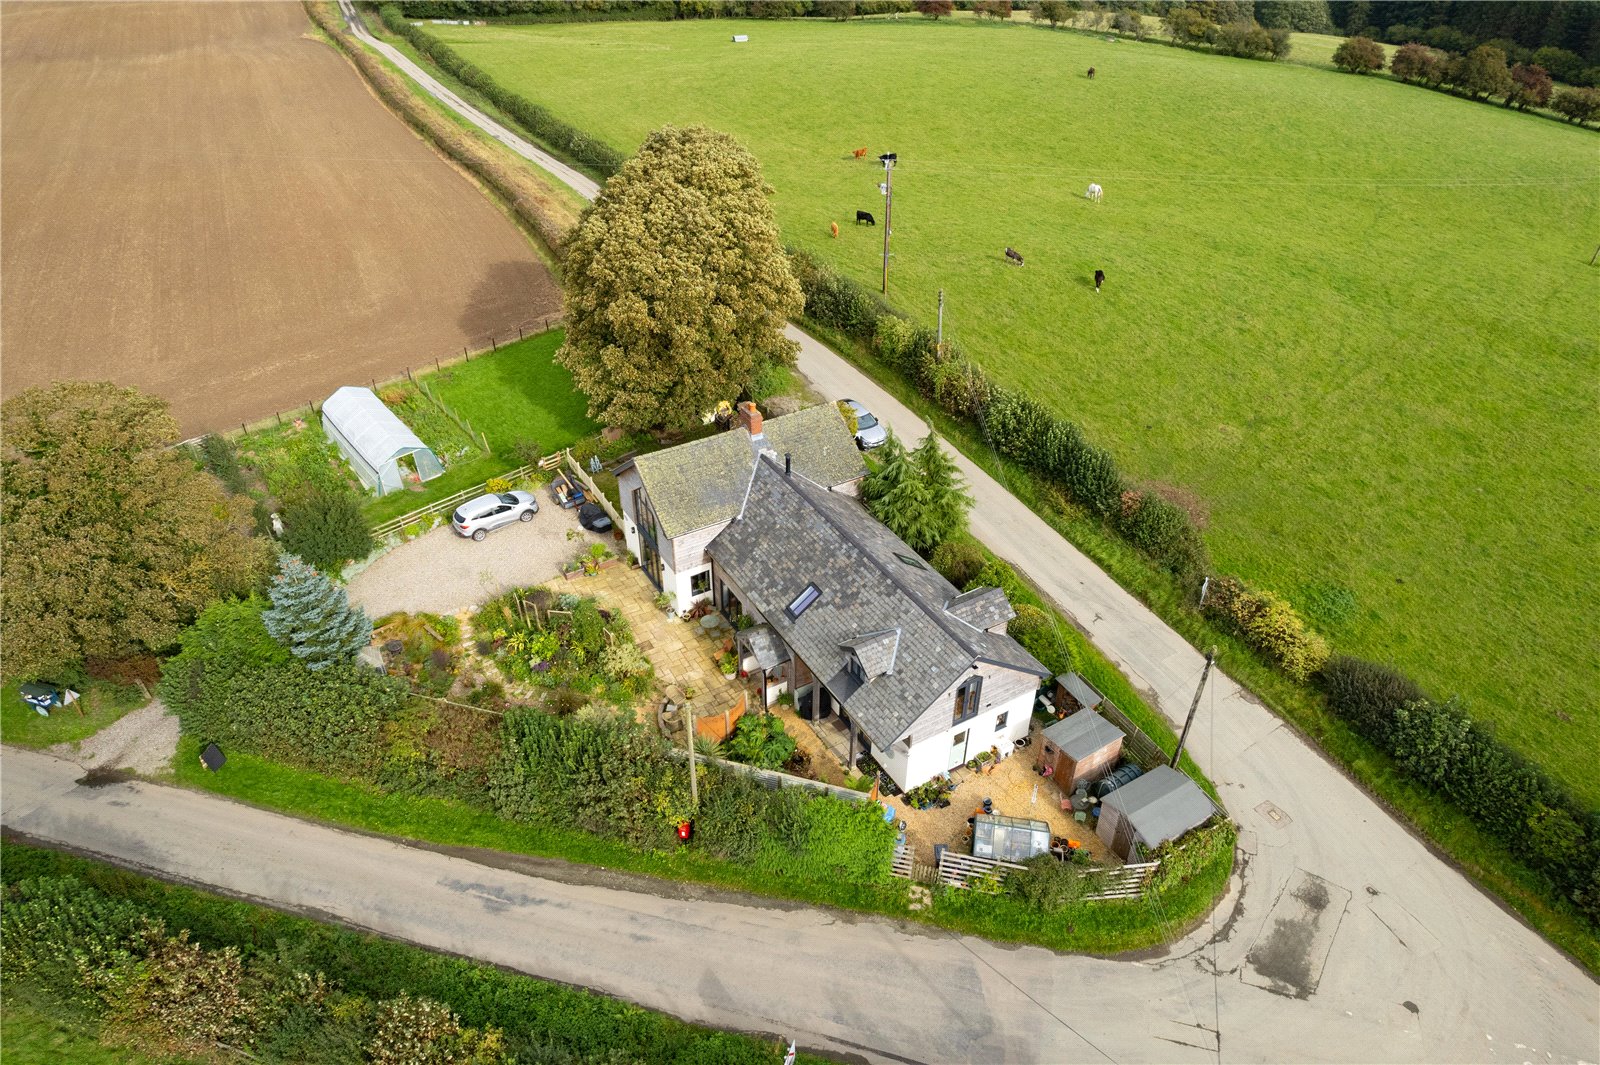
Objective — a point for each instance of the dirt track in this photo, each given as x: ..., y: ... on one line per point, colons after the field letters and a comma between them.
x: 206, y: 202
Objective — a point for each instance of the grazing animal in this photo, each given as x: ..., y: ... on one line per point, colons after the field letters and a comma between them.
x: 1091, y: 73
x: 1099, y: 279
x: 834, y: 228
x: 1095, y: 193
x: 859, y: 152
x: 865, y: 218
x: 1014, y: 256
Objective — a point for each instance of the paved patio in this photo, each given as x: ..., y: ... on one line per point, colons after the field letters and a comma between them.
x: 683, y: 652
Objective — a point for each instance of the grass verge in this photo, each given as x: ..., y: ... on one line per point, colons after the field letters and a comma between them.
x: 1101, y: 928
x: 103, y: 702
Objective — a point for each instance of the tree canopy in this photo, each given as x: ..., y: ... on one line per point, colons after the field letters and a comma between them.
x: 112, y: 540
x: 312, y: 616
x: 918, y: 494
x: 677, y: 284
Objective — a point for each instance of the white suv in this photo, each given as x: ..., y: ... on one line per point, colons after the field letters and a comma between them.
x: 476, y: 517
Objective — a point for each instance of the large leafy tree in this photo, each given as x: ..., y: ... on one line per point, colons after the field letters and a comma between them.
x: 677, y: 284
x: 112, y: 541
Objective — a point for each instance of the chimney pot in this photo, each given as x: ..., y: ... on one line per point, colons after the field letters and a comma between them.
x: 750, y: 417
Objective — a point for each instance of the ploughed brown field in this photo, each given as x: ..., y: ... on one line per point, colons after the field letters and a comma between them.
x: 204, y: 201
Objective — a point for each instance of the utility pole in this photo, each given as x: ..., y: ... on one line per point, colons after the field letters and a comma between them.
x: 941, y: 321
x: 1211, y: 656
x: 687, y: 709
x: 888, y: 160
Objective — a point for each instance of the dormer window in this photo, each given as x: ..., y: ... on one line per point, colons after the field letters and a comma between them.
x: 803, y: 600
x: 854, y: 667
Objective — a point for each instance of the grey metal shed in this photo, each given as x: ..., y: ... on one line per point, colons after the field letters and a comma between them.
x: 375, y: 441
x: 1162, y: 804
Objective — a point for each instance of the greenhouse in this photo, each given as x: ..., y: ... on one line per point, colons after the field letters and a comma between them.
x: 381, y: 448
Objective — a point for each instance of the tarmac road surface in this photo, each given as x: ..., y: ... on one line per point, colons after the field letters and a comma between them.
x: 1395, y: 986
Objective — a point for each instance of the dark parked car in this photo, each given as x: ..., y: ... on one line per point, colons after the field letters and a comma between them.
x: 592, y: 516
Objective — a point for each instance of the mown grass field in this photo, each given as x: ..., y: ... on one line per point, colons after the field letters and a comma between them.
x: 1350, y: 320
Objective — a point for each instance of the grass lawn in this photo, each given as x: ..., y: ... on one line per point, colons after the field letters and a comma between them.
x: 1346, y: 317
x: 518, y: 394
x: 34, y: 1034
x: 102, y: 703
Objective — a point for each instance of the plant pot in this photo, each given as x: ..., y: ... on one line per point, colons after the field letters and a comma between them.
x: 572, y: 574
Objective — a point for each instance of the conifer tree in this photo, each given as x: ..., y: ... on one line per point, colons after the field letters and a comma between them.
x: 944, y: 490
x: 312, y: 616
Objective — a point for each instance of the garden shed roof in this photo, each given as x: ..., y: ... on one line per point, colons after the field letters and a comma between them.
x: 1162, y: 804
x: 704, y: 481
x: 1082, y: 734
x: 1080, y: 690
x: 371, y: 428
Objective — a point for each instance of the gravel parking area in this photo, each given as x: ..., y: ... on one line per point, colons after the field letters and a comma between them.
x: 442, y: 572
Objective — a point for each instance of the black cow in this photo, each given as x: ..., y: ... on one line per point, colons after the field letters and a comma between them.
x: 1012, y: 255
x: 1091, y: 73
x: 1099, y: 279
x: 866, y: 217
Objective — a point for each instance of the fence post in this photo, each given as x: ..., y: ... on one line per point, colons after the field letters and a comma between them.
x: 278, y: 414
x: 436, y: 364
x: 519, y: 332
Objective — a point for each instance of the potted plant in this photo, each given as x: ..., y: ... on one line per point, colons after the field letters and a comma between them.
x: 663, y: 602
x: 728, y: 664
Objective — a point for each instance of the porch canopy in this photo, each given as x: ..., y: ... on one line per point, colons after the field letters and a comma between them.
x: 374, y: 441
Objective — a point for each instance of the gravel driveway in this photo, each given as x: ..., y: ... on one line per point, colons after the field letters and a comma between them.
x: 143, y: 741
x: 442, y: 572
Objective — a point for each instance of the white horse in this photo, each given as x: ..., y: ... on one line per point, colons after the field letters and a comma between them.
x: 1095, y: 193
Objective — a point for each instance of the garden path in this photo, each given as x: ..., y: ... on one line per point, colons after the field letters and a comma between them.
x: 143, y: 741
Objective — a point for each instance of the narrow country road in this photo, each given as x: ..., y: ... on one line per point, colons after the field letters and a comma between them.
x: 1343, y: 939
x: 852, y: 985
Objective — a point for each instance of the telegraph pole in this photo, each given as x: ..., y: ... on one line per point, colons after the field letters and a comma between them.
x: 888, y: 160
x: 941, y: 321
x: 1211, y: 656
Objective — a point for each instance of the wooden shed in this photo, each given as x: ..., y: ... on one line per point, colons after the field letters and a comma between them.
x: 1080, y: 749
x: 1140, y: 816
x: 1073, y: 693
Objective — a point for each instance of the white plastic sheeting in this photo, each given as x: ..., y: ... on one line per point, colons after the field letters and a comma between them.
x: 374, y: 441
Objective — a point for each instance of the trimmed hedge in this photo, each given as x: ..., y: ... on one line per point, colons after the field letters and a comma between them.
x: 1463, y: 761
x: 533, y: 118
x: 611, y: 778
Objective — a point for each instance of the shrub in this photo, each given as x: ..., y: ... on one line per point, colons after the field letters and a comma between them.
x: 1577, y: 105
x: 996, y: 574
x: 68, y: 936
x: 1269, y: 624
x: 958, y: 561
x: 1047, y: 883
x: 325, y: 528
x: 1029, y: 620
x: 234, y: 685
x: 844, y: 840
x: 1367, y: 694
x: 187, y: 998
x: 1162, y: 530
x: 1417, y: 63
x: 497, y: 485
x: 1563, y: 65
x: 760, y: 740
x: 1359, y: 55
x: 1530, y: 87
x: 731, y: 820
x: 217, y: 456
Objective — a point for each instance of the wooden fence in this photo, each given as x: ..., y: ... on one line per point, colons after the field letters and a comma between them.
x: 1106, y: 884
x: 592, y: 490
x: 1144, y: 750
x: 445, y: 505
x: 445, y: 409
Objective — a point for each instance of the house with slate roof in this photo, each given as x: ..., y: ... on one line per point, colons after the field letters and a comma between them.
x: 854, y: 623
x: 674, y: 502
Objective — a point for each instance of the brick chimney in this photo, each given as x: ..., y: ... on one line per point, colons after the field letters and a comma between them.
x: 750, y: 417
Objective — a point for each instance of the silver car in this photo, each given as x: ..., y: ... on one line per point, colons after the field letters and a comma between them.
x: 869, y: 434
x: 476, y: 517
